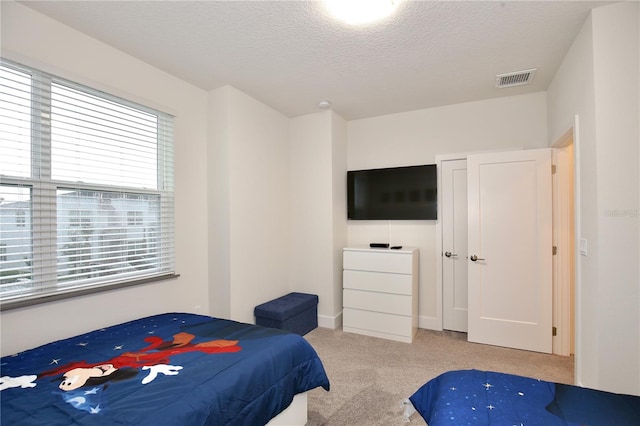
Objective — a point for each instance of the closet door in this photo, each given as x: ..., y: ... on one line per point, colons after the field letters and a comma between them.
x: 454, y: 245
x: 510, y: 249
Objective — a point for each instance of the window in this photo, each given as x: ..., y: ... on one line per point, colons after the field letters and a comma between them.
x: 134, y: 218
x: 86, y: 189
x: 21, y: 218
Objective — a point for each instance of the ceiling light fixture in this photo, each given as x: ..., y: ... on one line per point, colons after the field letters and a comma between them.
x: 360, y: 12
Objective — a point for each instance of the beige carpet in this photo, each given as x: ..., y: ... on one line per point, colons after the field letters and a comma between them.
x: 370, y: 377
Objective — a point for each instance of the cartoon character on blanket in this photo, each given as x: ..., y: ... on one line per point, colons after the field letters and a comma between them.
x: 155, y: 359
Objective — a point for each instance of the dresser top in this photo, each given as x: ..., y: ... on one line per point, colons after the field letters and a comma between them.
x: 381, y: 250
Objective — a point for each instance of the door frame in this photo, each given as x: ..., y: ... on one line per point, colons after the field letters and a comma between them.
x: 563, y: 239
x: 572, y: 135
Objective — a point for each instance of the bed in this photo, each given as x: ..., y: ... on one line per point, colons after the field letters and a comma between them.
x: 473, y: 397
x: 168, y: 369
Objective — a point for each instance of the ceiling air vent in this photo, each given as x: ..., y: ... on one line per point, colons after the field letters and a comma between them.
x: 517, y: 78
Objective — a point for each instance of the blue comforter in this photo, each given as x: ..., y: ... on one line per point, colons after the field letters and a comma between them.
x: 170, y: 369
x: 472, y: 397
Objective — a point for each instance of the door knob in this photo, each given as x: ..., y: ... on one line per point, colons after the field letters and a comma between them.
x: 449, y: 254
x: 474, y: 258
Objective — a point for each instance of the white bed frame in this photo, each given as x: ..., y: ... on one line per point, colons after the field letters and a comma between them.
x: 294, y: 415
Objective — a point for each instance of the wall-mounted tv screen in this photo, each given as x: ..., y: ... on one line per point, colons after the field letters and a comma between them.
x: 398, y: 193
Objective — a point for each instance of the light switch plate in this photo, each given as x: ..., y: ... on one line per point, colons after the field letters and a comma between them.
x: 583, y: 246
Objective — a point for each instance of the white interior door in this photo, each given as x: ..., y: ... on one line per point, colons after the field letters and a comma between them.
x: 510, y: 249
x: 454, y: 245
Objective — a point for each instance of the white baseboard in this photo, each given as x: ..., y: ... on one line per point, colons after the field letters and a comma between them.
x: 429, y: 323
x: 334, y: 322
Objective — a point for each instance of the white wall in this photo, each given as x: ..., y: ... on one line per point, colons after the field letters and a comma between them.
x: 318, y: 224
x: 416, y: 138
x: 598, y: 80
x: 572, y: 92
x: 36, y: 40
x: 252, y: 240
x: 218, y: 197
x: 617, y: 75
x: 311, y: 203
x: 339, y: 213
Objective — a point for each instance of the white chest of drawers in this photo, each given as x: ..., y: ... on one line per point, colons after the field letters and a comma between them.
x: 380, y: 292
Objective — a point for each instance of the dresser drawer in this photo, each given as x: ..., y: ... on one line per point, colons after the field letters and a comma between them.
x: 378, y: 322
x: 379, y: 261
x: 376, y: 281
x: 380, y: 302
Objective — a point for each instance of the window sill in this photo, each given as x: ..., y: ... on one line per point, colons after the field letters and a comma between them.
x: 51, y: 297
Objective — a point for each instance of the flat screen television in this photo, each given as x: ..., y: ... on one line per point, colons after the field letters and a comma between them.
x: 398, y: 193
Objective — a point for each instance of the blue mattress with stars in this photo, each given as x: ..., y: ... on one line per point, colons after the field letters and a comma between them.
x: 169, y: 369
x: 473, y: 397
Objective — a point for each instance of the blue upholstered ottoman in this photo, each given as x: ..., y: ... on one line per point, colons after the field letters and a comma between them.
x: 295, y: 312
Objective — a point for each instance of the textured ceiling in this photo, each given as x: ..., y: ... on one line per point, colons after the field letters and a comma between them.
x: 291, y: 55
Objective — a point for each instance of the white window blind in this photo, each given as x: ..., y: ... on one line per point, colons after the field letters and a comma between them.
x: 86, y: 189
